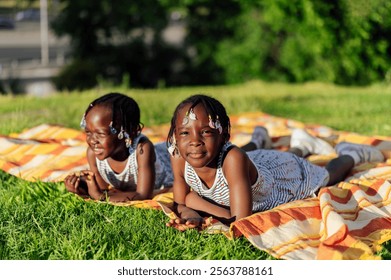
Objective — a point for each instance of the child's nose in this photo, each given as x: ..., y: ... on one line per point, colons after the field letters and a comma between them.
x: 195, y: 139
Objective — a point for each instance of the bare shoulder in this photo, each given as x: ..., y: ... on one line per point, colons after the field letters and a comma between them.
x: 177, y: 164
x: 145, y: 145
x: 235, y: 154
x: 145, y: 152
x: 237, y: 165
x: 235, y: 160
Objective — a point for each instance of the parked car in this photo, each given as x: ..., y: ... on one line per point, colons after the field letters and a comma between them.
x: 6, y: 23
x: 28, y: 15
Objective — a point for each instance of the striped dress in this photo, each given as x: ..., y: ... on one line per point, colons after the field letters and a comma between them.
x: 127, y: 179
x: 282, y: 177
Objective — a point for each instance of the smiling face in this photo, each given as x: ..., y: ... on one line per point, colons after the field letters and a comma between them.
x: 99, y: 138
x: 197, y: 142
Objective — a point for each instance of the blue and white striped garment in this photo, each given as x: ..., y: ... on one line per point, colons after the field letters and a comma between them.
x: 282, y: 177
x: 127, y: 179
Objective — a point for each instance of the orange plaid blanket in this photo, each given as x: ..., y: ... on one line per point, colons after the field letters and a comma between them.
x: 347, y: 221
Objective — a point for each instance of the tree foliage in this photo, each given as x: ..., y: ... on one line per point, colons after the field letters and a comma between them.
x: 121, y: 38
x: 231, y: 41
x: 344, y: 42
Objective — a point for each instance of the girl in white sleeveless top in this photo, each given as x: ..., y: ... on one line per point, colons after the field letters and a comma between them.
x: 124, y: 164
x: 214, y: 177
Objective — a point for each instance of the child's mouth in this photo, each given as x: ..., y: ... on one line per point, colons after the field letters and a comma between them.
x: 196, y: 155
x: 97, y: 151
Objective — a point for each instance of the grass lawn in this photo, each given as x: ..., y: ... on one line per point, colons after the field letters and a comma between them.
x: 43, y: 221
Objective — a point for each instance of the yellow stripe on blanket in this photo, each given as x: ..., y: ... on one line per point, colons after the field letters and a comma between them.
x: 347, y: 221
x: 45, y: 152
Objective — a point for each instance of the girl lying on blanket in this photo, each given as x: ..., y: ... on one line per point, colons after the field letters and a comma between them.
x: 119, y: 155
x: 214, y: 177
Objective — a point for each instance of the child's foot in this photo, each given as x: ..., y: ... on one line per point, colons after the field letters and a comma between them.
x: 309, y: 144
x: 261, y: 138
x: 359, y: 152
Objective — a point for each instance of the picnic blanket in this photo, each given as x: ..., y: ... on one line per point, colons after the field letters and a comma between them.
x: 347, y: 221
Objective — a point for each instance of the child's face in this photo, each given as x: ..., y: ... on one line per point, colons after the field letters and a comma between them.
x: 197, y: 142
x: 99, y: 138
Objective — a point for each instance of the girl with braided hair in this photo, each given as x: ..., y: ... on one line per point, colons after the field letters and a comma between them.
x: 214, y: 177
x: 124, y: 163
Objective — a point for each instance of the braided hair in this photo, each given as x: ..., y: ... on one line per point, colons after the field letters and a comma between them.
x: 125, y: 112
x: 214, y: 109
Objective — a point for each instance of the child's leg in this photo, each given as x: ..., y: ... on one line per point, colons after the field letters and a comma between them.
x: 297, y: 151
x: 308, y: 144
x: 359, y: 152
x: 350, y: 155
x: 339, y: 168
x: 260, y: 139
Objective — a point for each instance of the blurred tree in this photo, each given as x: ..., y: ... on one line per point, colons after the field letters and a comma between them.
x: 340, y: 41
x: 207, y: 23
x: 121, y: 38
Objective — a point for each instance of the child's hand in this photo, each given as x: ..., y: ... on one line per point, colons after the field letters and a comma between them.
x: 88, y: 177
x: 190, y: 223
x: 74, y: 184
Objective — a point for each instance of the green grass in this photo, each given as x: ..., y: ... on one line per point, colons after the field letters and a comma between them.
x: 43, y: 221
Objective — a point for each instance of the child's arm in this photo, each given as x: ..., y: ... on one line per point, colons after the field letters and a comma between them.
x: 194, y: 201
x: 146, y: 170
x: 101, y: 184
x: 240, y: 174
x: 77, y: 182
x: 188, y: 218
x: 75, y: 185
x: 145, y: 179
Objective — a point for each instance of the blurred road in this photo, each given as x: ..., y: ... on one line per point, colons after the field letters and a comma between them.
x: 20, y: 59
x: 24, y: 43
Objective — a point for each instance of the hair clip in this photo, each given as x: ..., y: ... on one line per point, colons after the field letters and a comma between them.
x: 172, y: 150
x: 211, y: 124
x: 218, y: 126
x: 121, y: 133
x: 192, y: 115
x: 189, y: 115
x: 128, y: 141
x: 215, y: 124
x: 112, y: 129
x: 83, y: 122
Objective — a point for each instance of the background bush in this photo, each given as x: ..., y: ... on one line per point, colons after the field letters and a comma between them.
x: 339, y: 41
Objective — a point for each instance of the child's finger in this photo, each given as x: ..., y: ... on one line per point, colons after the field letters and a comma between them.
x: 87, y: 173
x: 194, y: 221
x: 208, y: 221
x: 183, y: 227
x: 179, y: 221
x: 170, y: 223
x: 191, y: 225
x: 76, y: 184
x: 173, y: 224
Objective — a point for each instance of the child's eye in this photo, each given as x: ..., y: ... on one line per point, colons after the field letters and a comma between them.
x: 183, y: 133
x: 207, y: 132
